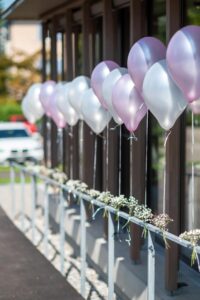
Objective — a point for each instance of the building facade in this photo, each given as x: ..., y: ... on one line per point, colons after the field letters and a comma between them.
x: 92, y: 31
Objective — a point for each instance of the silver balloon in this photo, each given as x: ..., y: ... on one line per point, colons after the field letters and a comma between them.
x: 64, y: 106
x: 162, y: 96
x: 78, y: 86
x: 33, y: 101
x: 27, y: 112
x: 107, y: 89
x: 93, y: 112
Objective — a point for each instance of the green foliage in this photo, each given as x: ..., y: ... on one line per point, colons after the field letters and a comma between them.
x: 9, y: 108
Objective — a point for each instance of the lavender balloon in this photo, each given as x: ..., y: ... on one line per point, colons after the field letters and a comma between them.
x: 128, y: 103
x: 143, y: 54
x: 98, y: 76
x: 55, y: 114
x: 183, y: 59
x: 46, y: 92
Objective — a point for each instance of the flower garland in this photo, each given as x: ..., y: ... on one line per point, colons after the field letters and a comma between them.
x: 139, y: 211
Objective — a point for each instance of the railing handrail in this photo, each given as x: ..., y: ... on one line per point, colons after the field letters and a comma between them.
x: 170, y: 236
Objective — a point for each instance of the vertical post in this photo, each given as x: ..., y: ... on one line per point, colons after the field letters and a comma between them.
x: 138, y: 155
x: 111, y: 256
x: 46, y: 221
x: 110, y: 143
x: 44, y: 76
x: 62, y: 233
x: 34, y: 193
x: 22, y: 179
x: 67, y: 141
x: 174, y: 166
x: 151, y: 268
x: 83, y: 247
x: 53, y: 32
x: 12, y: 188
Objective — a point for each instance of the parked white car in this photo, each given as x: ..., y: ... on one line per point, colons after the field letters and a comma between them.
x: 17, y: 143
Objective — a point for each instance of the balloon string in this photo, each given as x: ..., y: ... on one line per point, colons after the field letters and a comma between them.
x: 113, y: 128
x: 167, y: 134
x: 146, y: 157
x: 107, y: 150
x: 48, y: 142
x: 192, y: 152
x: 71, y: 152
x: 131, y: 166
x: 120, y: 160
x: 95, y: 162
x: 59, y: 142
x: 132, y: 137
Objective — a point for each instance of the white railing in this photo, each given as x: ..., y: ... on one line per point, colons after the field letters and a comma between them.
x: 152, y: 230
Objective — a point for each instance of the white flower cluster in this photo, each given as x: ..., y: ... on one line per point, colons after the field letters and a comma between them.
x: 161, y: 221
x: 192, y: 236
x: 143, y: 213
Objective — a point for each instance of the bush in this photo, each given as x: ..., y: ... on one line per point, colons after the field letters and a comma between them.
x: 8, y: 109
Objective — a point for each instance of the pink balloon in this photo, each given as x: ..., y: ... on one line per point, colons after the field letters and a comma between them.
x: 195, y: 107
x: 55, y: 114
x: 183, y: 59
x: 143, y: 54
x: 128, y: 103
x: 47, y: 89
x: 98, y: 76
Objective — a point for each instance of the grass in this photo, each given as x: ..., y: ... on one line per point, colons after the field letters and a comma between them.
x: 5, y: 175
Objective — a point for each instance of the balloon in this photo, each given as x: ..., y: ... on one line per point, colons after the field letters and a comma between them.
x: 183, y: 59
x: 195, y: 106
x: 64, y: 106
x: 107, y: 89
x: 46, y: 92
x: 33, y: 101
x: 26, y: 111
x: 55, y: 114
x: 128, y: 102
x: 143, y: 54
x: 100, y: 72
x: 77, y: 87
x: 162, y: 96
x: 94, y: 114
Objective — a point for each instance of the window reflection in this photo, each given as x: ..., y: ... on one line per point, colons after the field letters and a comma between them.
x: 192, y: 184
x: 156, y: 151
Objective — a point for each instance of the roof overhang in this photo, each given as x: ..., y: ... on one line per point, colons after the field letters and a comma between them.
x: 32, y: 9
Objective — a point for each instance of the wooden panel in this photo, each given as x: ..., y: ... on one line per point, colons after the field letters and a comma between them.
x: 69, y: 76
x: 138, y: 155
x: 44, y: 120
x: 88, y: 138
x: 174, y: 167
x: 54, y: 154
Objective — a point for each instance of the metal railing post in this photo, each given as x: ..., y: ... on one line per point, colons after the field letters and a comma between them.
x: 12, y: 188
x: 111, y: 256
x: 46, y: 221
x: 22, y: 180
x: 62, y: 232
x: 83, y: 247
x: 34, y: 195
x: 151, y: 268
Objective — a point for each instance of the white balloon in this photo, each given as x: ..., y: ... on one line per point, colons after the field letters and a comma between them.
x: 162, y: 96
x: 93, y: 112
x: 27, y: 112
x: 78, y: 86
x: 33, y: 103
x: 64, y: 106
x: 107, y: 89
